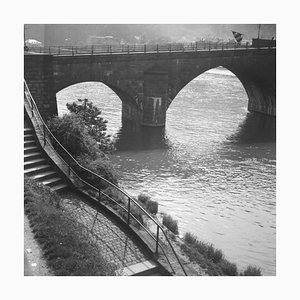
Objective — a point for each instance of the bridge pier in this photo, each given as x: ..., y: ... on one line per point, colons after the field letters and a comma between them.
x: 38, y: 73
x: 154, y: 105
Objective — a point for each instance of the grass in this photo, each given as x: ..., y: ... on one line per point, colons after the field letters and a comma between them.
x: 170, y: 223
x: 252, y: 271
x: 213, y: 259
x: 208, y: 257
x: 64, y: 241
x: 216, y: 255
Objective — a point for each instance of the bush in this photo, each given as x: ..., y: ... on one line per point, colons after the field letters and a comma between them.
x: 101, y: 166
x: 143, y: 198
x: 93, y: 122
x: 229, y: 268
x: 148, y: 204
x: 216, y: 255
x: 252, y: 271
x: 170, y: 223
x: 152, y: 206
x: 72, y: 134
x: 190, y: 238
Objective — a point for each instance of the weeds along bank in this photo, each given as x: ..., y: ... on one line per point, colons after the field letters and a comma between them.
x: 210, y: 259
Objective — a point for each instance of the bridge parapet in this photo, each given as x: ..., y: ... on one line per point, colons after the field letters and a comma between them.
x: 147, y: 82
x: 143, y: 48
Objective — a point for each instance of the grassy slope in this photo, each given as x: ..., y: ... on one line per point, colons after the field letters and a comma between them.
x: 63, y: 240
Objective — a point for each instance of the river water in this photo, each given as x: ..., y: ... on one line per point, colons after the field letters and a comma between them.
x: 213, y: 168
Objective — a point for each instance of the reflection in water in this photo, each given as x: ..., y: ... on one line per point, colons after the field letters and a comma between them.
x: 256, y: 128
x: 140, y: 138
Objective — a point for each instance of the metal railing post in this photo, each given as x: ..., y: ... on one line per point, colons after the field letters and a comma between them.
x: 157, y: 48
x: 128, y: 49
x: 92, y: 49
x: 99, y: 194
x: 72, y: 51
x: 58, y: 50
x: 128, y: 208
x: 145, y: 48
x: 208, y: 46
x: 49, y: 51
x: 157, y: 237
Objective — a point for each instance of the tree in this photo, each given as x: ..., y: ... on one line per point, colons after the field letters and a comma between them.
x: 95, y: 124
x: 72, y: 134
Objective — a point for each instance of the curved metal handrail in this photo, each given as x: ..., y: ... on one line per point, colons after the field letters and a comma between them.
x: 44, y: 129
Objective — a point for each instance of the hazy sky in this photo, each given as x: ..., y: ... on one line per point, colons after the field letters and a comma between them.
x: 55, y: 34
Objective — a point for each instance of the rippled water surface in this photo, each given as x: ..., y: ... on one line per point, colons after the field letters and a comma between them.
x: 213, y: 168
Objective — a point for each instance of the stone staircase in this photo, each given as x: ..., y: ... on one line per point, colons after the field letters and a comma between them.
x: 36, y: 164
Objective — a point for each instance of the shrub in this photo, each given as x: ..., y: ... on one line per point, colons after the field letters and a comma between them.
x: 170, y: 223
x: 190, y: 238
x: 143, y: 198
x: 216, y: 255
x: 72, y: 134
x: 101, y: 166
x: 229, y: 268
x: 93, y: 122
x: 152, y: 206
x: 148, y: 204
x: 252, y: 271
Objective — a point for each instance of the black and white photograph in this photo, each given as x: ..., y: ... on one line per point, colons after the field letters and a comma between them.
x: 150, y: 143
x: 154, y: 148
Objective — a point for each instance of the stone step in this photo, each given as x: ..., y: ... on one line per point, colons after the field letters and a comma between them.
x: 44, y: 175
x: 29, y: 136
x: 32, y: 155
x: 53, y: 181
x: 141, y: 269
x: 30, y: 149
x: 59, y: 187
x: 27, y: 130
x: 29, y: 143
x: 34, y: 162
x: 37, y: 169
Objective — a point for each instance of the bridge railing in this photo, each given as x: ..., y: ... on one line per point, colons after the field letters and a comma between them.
x: 139, y: 48
x: 100, y: 188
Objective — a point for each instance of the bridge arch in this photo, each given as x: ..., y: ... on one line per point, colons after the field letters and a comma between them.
x: 260, y: 87
x: 148, y: 82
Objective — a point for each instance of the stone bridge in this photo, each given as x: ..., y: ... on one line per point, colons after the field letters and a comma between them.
x: 147, y: 83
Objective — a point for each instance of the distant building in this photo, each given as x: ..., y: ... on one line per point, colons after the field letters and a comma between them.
x: 33, y: 43
x: 102, y: 40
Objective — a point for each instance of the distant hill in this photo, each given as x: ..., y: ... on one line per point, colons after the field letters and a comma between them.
x: 57, y: 34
